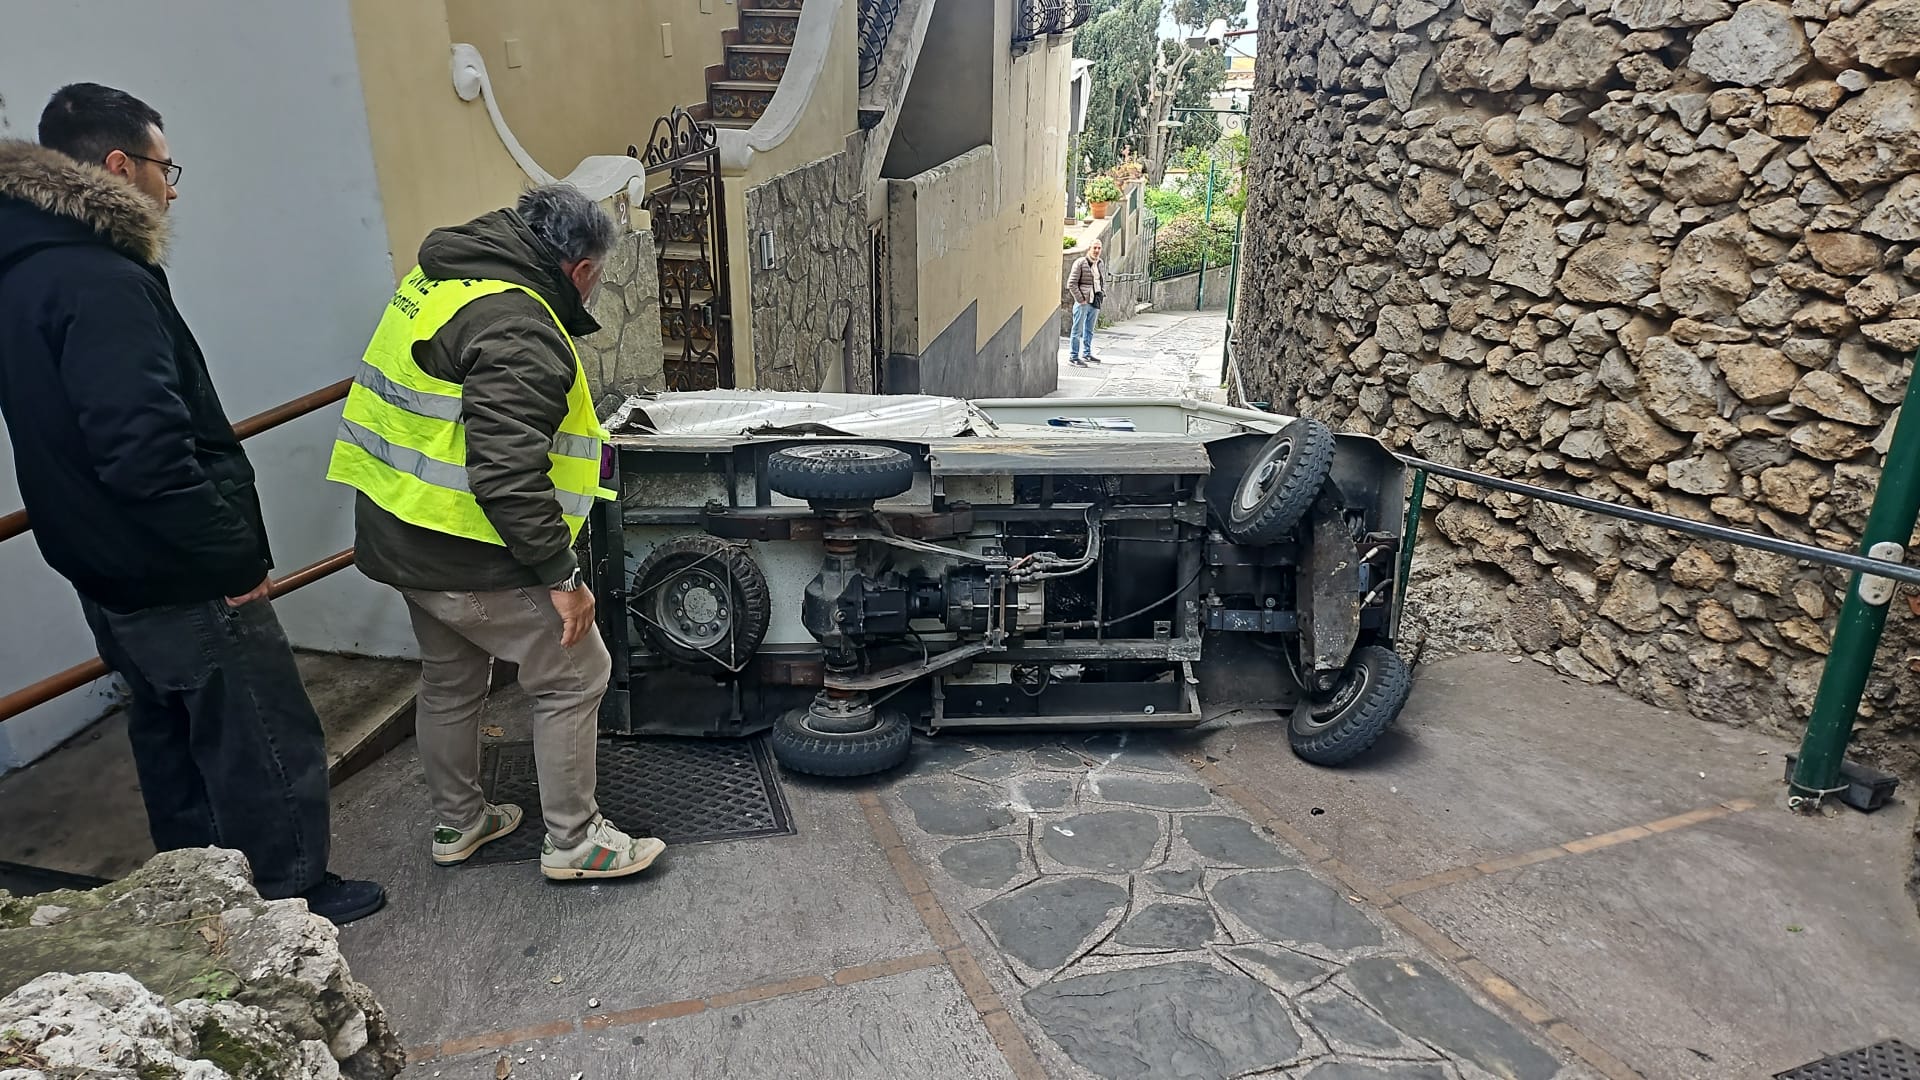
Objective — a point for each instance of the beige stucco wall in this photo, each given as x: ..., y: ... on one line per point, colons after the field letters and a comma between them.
x: 943, y: 236
x: 986, y: 226
x: 593, y: 76
x: 437, y: 157
x: 591, y: 82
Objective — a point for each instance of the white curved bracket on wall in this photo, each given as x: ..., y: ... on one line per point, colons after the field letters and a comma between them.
x: 601, y: 176
x: 812, y: 40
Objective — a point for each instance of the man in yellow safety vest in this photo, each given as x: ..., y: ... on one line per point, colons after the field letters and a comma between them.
x: 471, y: 438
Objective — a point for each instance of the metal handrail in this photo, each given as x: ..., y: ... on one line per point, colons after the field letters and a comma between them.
x: 73, y: 678
x: 1845, y: 560
x: 16, y: 523
x: 79, y: 675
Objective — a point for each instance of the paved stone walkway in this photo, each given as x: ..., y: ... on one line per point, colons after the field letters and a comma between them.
x: 1140, y: 927
x: 1158, y: 354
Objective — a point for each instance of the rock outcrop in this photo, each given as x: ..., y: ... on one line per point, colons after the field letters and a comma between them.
x: 1659, y: 252
x: 180, y: 970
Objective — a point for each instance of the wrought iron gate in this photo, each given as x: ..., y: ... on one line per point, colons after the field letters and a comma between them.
x: 682, y: 158
x: 878, y: 280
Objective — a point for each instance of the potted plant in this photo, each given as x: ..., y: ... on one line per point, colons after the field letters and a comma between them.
x: 1101, y: 190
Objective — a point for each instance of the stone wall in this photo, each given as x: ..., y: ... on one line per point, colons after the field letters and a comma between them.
x: 181, y: 970
x: 812, y: 312
x: 624, y: 358
x: 1659, y: 252
x: 1181, y: 293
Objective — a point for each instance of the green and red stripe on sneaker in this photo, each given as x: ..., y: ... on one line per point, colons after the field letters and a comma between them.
x: 603, y: 858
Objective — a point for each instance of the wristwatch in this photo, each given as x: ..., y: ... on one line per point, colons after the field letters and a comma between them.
x: 575, y: 581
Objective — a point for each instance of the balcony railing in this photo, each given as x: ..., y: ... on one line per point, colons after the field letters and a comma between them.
x: 876, y: 26
x: 1039, y: 18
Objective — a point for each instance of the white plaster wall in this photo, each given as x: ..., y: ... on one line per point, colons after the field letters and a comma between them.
x: 279, y: 262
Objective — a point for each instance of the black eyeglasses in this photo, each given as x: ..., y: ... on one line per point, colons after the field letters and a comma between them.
x: 173, y: 171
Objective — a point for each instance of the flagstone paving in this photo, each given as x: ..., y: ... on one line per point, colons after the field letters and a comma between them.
x: 1140, y: 926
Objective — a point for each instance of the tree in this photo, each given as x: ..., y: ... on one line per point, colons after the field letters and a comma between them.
x: 1205, y: 76
x: 1172, y: 62
x: 1120, y: 40
x: 1138, y: 78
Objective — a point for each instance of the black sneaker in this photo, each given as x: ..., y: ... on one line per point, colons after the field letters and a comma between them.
x: 340, y: 901
x: 1076, y: 361
x: 1092, y: 359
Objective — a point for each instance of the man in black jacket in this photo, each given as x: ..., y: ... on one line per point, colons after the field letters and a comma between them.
x: 141, y: 496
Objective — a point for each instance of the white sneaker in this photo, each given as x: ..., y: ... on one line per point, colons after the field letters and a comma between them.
x: 451, y: 845
x: 605, y: 853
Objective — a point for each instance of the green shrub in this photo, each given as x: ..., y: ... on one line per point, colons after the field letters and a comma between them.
x: 1067, y: 243
x: 1102, y: 189
x: 1167, y: 204
x: 1179, y: 242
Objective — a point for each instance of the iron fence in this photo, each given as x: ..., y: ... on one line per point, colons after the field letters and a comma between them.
x: 1039, y: 18
x: 876, y: 26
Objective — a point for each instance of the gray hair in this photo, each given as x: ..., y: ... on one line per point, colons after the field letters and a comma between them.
x: 564, y: 218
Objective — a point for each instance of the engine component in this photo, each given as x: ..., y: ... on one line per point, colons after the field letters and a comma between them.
x: 702, y: 602
x: 845, y: 607
x: 834, y: 605
x: 839, y: 473
x: 969, y: 606
x: 840, y: 714
x: 1282, y: 483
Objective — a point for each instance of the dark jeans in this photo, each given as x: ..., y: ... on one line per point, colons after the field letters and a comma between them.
x: 229, y: 750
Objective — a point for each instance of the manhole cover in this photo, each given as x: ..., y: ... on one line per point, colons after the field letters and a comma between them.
x: 684, y: 791
x: 1890, y: 1060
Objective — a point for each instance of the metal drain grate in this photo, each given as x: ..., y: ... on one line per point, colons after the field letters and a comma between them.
x: 1890, y: 1060
x: 684, y: 791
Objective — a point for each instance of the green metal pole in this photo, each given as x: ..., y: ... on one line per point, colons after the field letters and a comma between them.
x: 1889, y: 526
x: 1206, y: 239
x: 1233, y: 292
x: 1408, y: 535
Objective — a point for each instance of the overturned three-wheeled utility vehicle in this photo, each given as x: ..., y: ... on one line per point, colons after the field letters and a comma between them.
x: 845, y: 568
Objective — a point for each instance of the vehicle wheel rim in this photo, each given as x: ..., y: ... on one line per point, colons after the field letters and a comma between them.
x: 836, y: 453
x: 1260, y: 478
x: 855, y: 720
x: 694, y: 609
x: 1352, y: 689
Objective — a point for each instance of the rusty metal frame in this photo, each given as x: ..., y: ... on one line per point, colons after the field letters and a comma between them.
x: 689, y: 208
x: 14, y: 524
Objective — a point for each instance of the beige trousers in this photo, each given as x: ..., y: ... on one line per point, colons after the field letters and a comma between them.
x: 459, y: 632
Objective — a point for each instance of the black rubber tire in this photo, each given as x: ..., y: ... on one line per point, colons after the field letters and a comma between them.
x: 1341, y: 730
x: 863, y: 753
x: 840, y: 471
x: 1280, y: 486
x: 752, y: 600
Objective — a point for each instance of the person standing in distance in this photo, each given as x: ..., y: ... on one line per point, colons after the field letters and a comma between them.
x: 141, y: 496
x: 471, y: 437
x: 1086, y: 284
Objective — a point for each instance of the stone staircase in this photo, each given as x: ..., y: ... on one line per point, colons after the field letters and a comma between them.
x: 739, y: 89
x: 738, y: 92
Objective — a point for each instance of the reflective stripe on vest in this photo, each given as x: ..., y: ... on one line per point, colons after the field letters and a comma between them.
x: 401, y: 440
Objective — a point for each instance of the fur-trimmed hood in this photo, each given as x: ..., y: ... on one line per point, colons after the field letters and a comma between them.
x: 107, y: 206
